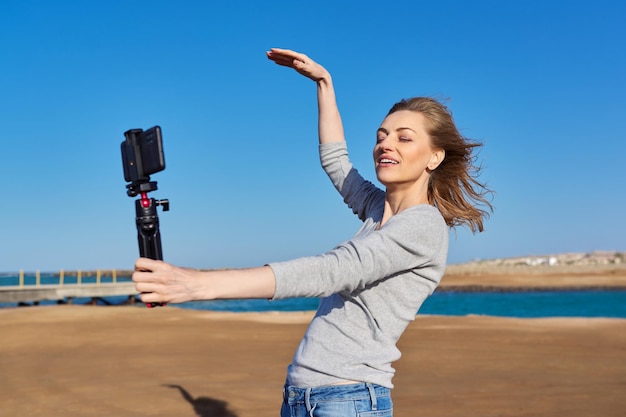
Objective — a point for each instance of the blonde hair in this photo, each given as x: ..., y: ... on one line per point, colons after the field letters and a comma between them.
x: 453, y: 187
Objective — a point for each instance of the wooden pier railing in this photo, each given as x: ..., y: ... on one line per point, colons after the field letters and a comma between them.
x: 65, y: 286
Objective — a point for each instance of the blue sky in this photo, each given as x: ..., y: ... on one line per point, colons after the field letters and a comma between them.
x: 541, y: 83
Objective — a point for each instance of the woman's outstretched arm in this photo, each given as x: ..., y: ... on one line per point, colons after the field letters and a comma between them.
x: 160, y: 282
x: 330, y: 126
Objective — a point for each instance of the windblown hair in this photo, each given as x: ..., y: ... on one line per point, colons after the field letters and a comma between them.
x: 453, y: 187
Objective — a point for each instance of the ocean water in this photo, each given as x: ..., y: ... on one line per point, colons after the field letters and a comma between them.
x: 591, y: 303
x: 527, y: 304
x: 503, y: 304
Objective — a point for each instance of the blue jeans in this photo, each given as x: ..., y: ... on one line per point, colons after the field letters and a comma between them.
x: 354, y: 400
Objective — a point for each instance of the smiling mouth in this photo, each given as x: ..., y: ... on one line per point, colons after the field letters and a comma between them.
x: 387, y: 161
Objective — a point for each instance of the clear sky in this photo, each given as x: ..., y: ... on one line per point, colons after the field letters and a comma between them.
x: 541, y: 83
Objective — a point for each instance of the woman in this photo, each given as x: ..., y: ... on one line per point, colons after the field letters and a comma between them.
x: 371, y: 286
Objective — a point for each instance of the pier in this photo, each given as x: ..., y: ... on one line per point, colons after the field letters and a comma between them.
x: 64, y: 288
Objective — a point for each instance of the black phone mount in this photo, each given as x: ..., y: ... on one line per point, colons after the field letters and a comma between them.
x: 136, y: 156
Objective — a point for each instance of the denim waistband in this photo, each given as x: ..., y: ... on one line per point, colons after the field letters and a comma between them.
x: 359, y: 391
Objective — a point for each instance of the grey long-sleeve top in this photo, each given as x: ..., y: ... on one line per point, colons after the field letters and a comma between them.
x: 371, y: 286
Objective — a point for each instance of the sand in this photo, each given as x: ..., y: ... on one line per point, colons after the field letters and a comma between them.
x: 133, y: 361
x: 527, y: 278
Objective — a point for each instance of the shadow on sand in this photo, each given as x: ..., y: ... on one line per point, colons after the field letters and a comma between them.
x: 204, y: 406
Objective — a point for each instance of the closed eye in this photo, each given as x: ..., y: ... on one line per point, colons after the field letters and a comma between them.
x: 381, y: 134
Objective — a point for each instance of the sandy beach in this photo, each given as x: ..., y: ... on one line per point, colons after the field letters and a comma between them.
x: 72, y: 360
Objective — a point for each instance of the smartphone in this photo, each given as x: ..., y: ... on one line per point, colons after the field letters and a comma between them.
x: 142, y: 154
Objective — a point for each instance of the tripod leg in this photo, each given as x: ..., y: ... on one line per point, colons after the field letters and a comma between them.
x: 148, y: 234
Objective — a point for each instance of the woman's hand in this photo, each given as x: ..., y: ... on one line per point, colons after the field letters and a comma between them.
x: 300, y: 62
x: 160, y: 282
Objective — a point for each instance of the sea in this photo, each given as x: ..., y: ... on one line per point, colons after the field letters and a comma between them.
x: 520, y: 304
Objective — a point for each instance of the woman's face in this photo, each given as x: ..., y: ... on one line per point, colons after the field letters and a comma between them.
x: 403, y: 150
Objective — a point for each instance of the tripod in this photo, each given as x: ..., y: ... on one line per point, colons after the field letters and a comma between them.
x: 142, y: 156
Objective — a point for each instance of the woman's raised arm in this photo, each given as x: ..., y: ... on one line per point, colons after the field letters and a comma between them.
x: 330, y: 127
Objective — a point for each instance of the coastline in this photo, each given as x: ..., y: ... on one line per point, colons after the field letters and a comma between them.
x: 568, y: 271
